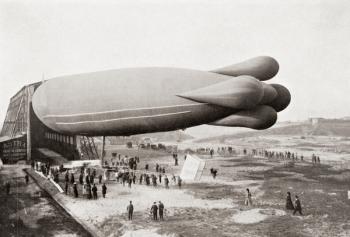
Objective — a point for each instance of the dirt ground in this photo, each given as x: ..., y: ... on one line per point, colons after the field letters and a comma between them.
x: 216, y: 207
x: 28, y: 211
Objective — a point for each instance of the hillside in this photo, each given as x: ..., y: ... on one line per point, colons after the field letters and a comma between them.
x: 336, y: 128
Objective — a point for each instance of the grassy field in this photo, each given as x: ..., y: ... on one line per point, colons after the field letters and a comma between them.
x: 322, y: 190
x: 215, y: 207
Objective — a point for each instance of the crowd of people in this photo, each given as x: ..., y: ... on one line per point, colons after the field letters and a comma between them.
x: 130, y: 162
x: 90, y: 183
x: 132, y: 177
x: 285, y: 155
x: 282, y: 155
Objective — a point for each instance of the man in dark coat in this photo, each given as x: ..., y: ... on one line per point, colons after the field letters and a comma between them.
x: 92, y: 179
x: 154, y: 180
x: 134, y: 178
x: 66, y: 188
x: 94, y: 191
x: 87, y: 180
x: 179, y: 181
x: 104, y: 190
x: 154, y: 210
x: 100, y: 179
x: 88, y: 191
x: 26, y: 178
x: 72, y: 178
x: 130, y: 210
x: 289, y: 203
x: 8, y: 187
x: 81, y: 178
x: 140, y: 180
x: 297, y: 206
x: 129, y: 181
x: 75, y: 190
x: 147, y: 180
x: 166, y: 181
x: 66, y: 177
x: 161, y: 210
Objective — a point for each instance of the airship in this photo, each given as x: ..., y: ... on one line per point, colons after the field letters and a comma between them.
x: 132, y: 101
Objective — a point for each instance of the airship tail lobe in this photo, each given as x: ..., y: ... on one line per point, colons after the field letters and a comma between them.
x: 243, y: 92
x: 262, y: 68
x: 261, y: 117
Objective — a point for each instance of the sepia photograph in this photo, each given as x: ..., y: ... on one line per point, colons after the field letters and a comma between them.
x: 174, y: 118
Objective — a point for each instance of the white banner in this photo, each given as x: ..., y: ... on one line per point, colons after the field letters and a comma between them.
x: 191, y: 167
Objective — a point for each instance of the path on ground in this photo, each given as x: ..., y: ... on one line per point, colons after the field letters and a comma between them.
x: 29, y: 211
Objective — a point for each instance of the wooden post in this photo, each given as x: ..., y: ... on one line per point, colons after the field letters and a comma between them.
x: 103, y: 149
x: 29, y: 138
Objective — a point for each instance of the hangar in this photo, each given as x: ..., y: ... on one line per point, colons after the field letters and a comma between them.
x: 24, y: 136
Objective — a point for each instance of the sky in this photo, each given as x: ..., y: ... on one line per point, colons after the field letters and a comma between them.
x: 309, y: 39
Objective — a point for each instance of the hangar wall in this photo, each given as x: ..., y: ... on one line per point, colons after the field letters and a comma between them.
x: 24, y: 137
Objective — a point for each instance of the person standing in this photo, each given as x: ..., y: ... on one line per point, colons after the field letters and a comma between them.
x: 166, y: 181
x: 154, y: 180
x: 289, y: 203
x: 174, y: 179
x: 66, y: 188
x: 129, y: 181
x: 161, y: 210
x: 179, y: 181
x: 134, y: 179
x: 75, y: 190
x: 81, y: 178
x: 248, y: 200
x: 72, y: 178
x: 26, y: 178
x: 104, y: 190
x: 297, y: 206
x: 92, y: 179
x: 130, y: 210
x: 88, y: 190
x: 147, y: 180
x: 160, y: 178
x: 140, y: 180
x: 84, y: 189
x: 87, y: 180
x: 154, y: 211
x: 66, y: 177
x: 100, y: 179
x: 8, y: 187
x: 94, y: 191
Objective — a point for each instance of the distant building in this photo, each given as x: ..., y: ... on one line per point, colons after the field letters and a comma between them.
x: 315, y: 121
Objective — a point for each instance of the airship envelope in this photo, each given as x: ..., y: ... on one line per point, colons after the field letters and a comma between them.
x: 143, y: 100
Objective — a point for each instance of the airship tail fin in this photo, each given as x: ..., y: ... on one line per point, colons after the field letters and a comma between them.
x: 262, y: 68
x: 282, y: 99
x: 243, y: 92
x: 261, y: 117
